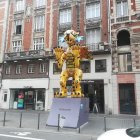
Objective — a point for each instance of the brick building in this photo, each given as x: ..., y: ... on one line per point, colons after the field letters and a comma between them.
x: 30, y: 74
x: 125, y: 36
x: 3, y: 30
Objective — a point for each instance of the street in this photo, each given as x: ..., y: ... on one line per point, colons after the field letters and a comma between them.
x: 28, y: 134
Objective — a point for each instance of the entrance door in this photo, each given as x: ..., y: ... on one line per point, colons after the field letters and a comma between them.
x: 29, y: 99
x: 127, y: 99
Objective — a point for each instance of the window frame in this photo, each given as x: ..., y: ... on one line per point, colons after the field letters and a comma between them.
x: 18, y: 69
x: 42, y: 69
x: 7, y: 69
x: 20, y: 6
x: 40, y: 3
x: 39, y: 23
x: 38, y: 43
x: 31, y: 68
x: 102, y: 68
x: 92, y: 12
x: 18, y: 23
x: 65, y: 16
x: 84, y: 65
x: 56, y: 70
x: 17, y: 46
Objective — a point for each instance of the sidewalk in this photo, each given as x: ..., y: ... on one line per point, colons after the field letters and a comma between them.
x: 96, y: 125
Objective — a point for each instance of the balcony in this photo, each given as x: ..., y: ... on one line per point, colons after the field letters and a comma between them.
x: 65, y: 4
x: 99, y: 48
x: 93, y: 22
x: 91, y: 1
x: 122, y: 19
x: 64, y: 26
x: 23, y: 55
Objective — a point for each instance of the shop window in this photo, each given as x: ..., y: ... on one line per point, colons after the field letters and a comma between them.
x: 31, y: 68
x: 100, y: 65
x: 125, y: 62
x: 56, y: 70
x: 5, y: 97
x: 7, y: 69
x: 85, y: 66
x: 121, y: 40
x: 18, y: 69
x: 42, y: 67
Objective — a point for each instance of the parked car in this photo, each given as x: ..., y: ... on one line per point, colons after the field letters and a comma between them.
x: 121, y: 134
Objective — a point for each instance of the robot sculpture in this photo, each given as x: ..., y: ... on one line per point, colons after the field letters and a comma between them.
x: 72, y: 56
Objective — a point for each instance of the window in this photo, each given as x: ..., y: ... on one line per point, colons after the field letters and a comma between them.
x: 19, y: 5
x: 38, y: 43
x: 121, y: 40
x: 31, y: 68
x: 18, y: 26
x: 39, y: 23
x: 93, y: 10
x: 65, y: 16
x: 42, y: 68
x: 7, y: 69
x: 40, y: 3
x: 85, y: 66
x: 56, y: 70
x: 18, y: 69
x: 122, y: 8
x: 93, y: 36
x: 100, y: 65
x: 17, y: 46
x: 125, y: 62
x: 5, y: 97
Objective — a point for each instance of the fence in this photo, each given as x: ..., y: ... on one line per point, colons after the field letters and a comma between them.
x: 37, y: 120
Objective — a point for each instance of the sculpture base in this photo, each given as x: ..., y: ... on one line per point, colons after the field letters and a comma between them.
x: 74, y: 110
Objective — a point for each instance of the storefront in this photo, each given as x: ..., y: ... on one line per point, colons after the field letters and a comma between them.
x: 30, y: 94
x: 28, y: 98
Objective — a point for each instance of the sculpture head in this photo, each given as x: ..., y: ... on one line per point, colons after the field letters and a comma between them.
x: 70, y: 37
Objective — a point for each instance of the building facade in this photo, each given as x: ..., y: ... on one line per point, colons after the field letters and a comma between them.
x: 30, y: 73
x: 125, y: 36
x: 3, y: 33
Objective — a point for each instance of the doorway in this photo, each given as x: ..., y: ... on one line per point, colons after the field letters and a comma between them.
x: 127, y: 99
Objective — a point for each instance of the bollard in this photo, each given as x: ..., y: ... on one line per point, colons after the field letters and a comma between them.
x: 58, y: 122
x: 134, y: 122
x: 20, y: 120
x: 38, y: 121
x: 79, y: 130
x: 4, y: 118
x: 105, y: 123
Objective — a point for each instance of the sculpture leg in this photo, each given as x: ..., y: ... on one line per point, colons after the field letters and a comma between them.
x: 76, y: 83
x: 63, y: 79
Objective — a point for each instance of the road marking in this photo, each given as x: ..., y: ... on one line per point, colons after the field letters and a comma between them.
x: 21, y: 133
x: 19, y: 137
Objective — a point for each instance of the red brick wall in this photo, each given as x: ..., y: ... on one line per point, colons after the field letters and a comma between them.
x: 104, y: 21
x: 126, y: 78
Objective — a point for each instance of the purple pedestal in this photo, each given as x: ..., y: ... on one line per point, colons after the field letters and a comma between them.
x: 74, y: 110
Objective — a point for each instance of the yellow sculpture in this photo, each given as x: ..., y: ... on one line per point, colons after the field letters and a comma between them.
x: 72, y: 56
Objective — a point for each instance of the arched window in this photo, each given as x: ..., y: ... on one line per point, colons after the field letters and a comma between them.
x: 123, y: 38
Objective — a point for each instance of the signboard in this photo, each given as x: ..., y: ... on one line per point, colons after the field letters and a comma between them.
x: 20, y: 104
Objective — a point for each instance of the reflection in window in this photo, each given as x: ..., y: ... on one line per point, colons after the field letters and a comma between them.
x: 100, y: 65
x: 125, y: 62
